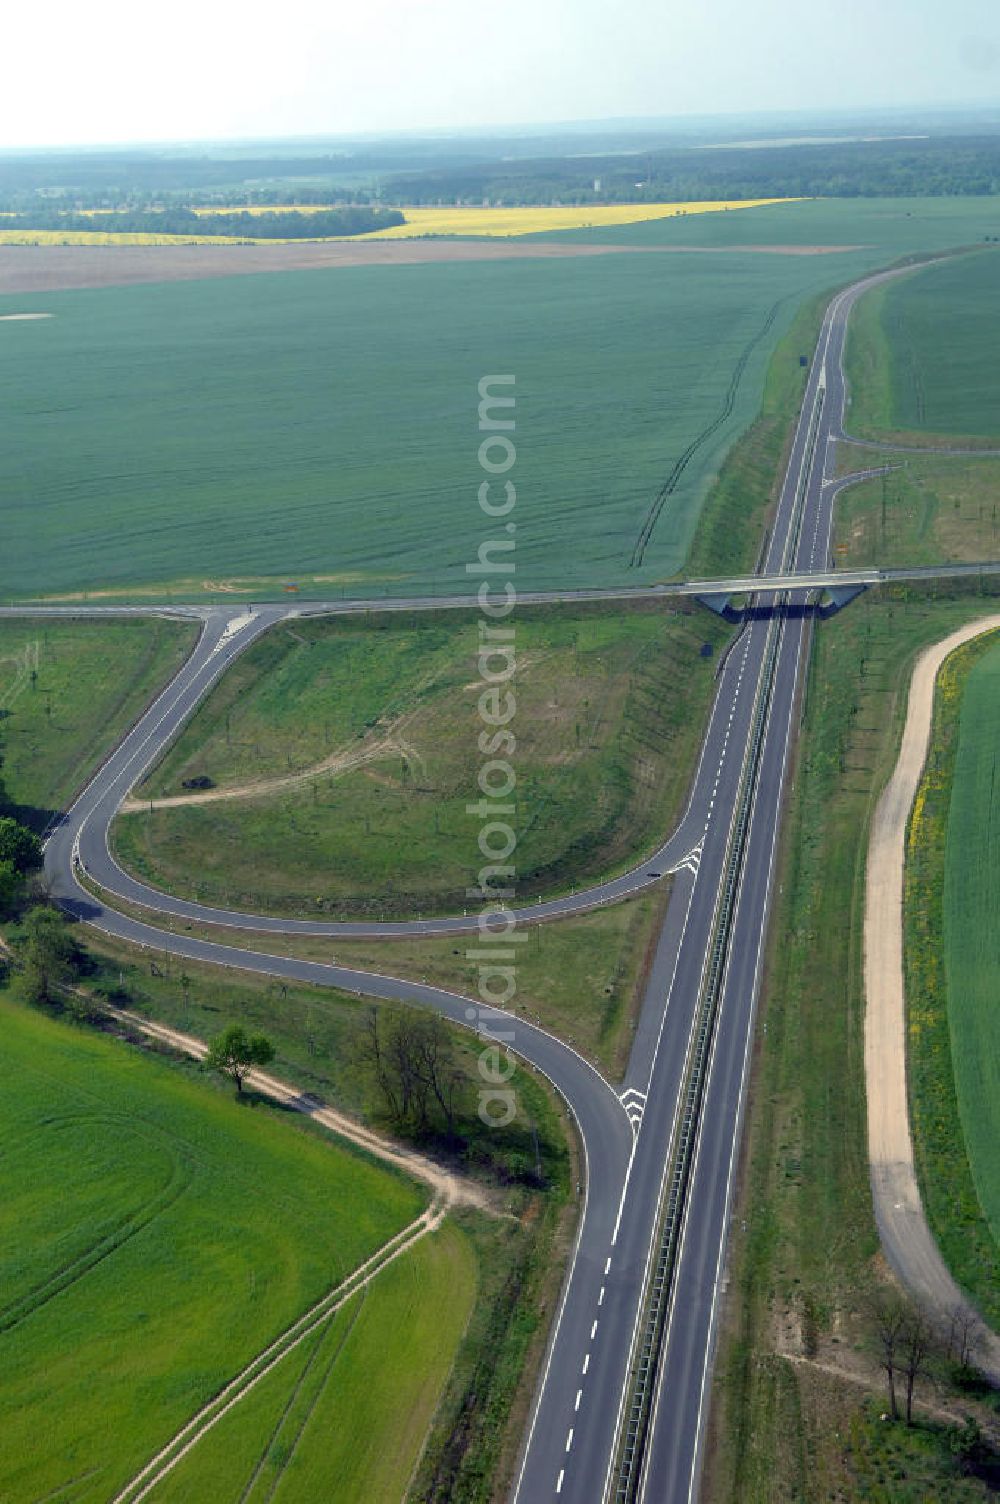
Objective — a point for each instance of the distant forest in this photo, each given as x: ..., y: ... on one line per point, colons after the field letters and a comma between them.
x: 547, y: 169
x: 865, y: 169
x: 349, y: 220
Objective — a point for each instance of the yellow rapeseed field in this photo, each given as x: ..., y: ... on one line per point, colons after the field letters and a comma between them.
x: 530, y: 221
x: 114, y: 237
x: 467, y: 222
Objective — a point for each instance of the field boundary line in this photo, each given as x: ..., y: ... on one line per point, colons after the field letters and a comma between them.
x: 249, y: 1377
x: 451, y: 1188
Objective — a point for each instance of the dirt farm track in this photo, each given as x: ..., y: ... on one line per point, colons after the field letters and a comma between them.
x: 50, y: 268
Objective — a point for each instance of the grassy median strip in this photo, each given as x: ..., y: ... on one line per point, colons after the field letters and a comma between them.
x: 953, y: 1044
x: 580, y: 977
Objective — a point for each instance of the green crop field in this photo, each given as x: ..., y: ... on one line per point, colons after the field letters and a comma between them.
x: 922, y: 356
x: 68, y: 689
x: 953, y: 1055
x: 610, y: 708
x: 322, y: 426
x: 528, y: 1167
x: 972, y: 941
x: 156, y: 1236
x: 880, y: 229
x: 344, y: 1418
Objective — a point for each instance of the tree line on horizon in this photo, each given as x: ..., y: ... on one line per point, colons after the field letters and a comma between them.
x: 932, y: 167
x: 352, y: 219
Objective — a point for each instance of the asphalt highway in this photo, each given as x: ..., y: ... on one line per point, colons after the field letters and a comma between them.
x: 571, y: 1446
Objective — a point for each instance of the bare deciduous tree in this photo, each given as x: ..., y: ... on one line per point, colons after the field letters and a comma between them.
x: 917, y: 1338
x: 890, y: 1324
x: 964, y: 1336
x: 412, y: 1062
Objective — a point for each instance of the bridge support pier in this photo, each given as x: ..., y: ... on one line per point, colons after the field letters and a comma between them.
x: 839, y: 597
x: 720, y: 604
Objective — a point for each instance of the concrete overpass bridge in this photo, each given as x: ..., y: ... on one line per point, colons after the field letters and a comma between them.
x: 838, y: 585
x: 806, y: 587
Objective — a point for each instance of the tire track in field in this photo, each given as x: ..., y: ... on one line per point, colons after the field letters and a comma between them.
x: 26, y: 663
x: 129, y: 1227
x: 311, y: 1407
x: 176, y: 1449
x: 63, y: 1488
x: 673, y: 479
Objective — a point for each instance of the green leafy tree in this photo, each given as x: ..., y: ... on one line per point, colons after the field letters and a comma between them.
x: 19, y: 845
x: 50, y: 958
x: 235, y: 1054
x: 11, y: 888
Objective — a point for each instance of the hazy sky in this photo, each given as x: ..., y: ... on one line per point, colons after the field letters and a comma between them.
x: 119, y: 70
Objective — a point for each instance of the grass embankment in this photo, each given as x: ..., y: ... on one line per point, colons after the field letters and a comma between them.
x: 953, y: 1042
x: 796, y: 1356
x: 610, y: 708
x: 68, y: 689
x: 582, y: 978
x: 921, y: 356
x: 318, y: 1037
x: 926, y: 511
x: 156, y: 1238
x: 317, y: 1033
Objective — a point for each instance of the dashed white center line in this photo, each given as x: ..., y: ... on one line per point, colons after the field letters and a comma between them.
x: 579, y: 1397
x: 586, y: 1363
x: 569, y: 1439
x: 600, y: 1298
x: 559, y: 1480
x: 607, y: 1266
x: 593, y: 1331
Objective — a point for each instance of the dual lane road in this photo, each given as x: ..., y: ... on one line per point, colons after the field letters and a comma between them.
x: 570, y: 1449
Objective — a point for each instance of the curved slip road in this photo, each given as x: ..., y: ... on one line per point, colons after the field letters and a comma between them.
x: 906, y: 1237
x: 570, y: 1449
x: 82, y: 836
